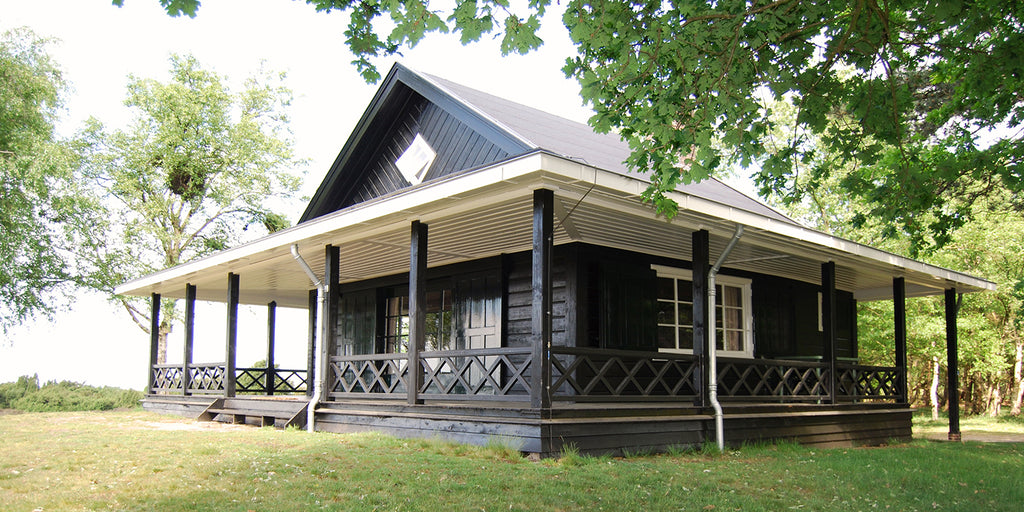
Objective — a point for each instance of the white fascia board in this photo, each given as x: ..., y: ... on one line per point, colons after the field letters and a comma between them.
x: 415, y: 202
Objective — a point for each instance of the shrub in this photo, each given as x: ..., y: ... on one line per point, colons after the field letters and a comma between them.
x: 27, y: 395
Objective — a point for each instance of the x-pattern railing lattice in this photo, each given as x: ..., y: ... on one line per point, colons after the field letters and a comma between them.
x: 765, y: 377
x: 384, y: 374
x: 166, y: 377
x: 254, y: 380
x: 870, y: 382
x: 476, y: 372
x: 290, y: 381
x: 206, y: 378
x: 585, y: 372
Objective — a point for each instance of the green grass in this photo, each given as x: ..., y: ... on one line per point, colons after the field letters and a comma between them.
x: 924, y: 424
x: 139, y: 461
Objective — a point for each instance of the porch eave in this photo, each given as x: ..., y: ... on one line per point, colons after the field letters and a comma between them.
x: 484, y: 212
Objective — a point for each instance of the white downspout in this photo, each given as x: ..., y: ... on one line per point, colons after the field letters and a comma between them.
x: 318, y: 358
x: 712, y: 335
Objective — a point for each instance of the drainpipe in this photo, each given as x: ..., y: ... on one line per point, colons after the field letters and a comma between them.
x: 713, y: 334
x: 317, y: 356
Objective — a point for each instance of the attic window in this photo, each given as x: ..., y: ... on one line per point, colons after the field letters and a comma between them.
x: 414, y: 163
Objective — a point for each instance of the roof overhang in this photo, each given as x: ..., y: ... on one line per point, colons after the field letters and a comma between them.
x: 486, y: 212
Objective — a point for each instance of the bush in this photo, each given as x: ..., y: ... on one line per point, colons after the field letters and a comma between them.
x: 27, y: 395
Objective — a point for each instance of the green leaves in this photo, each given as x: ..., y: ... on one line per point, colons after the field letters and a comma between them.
x: 193, y: 173
x: 43, y: 210
x: 173, y: 7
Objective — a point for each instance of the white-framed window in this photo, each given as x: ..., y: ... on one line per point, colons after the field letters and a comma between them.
x: 734, y: 334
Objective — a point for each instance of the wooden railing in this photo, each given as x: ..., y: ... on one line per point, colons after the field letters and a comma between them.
x: 206, y: 379
x: 859, y: 382
x: 603, y: 376
x: 254, y: 380
x: 165, y: 378
x: 587, y: 374
x: 375, y: 375
x: 772, y: 380
x: 481, y: 374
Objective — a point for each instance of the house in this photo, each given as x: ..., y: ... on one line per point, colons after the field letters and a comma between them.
x: 475, y: 269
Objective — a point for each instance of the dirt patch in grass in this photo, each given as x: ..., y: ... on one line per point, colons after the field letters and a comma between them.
x: 979, y: 436
x: 193, y: 426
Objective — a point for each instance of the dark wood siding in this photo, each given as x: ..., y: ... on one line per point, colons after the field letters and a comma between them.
x: 519, y: 301
x: 357, y: 322
x: 786, y: 315
x: 458, y: 147
x: 597, y: 301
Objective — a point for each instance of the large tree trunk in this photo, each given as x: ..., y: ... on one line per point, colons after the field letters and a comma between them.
x: 161, y: 348
x: 933, y: 392
x: 1018, y: 382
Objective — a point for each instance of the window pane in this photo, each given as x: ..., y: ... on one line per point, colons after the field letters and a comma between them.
x: 665, y: 285
x: 685, y: 290
x: 734, y: 318
x: 718, y: 339
x: 734, y: 340
x: 685, y: 314
x: 686, y: 338
x: 666, y: 337
x: 733, y: 296
x: 666, y: 312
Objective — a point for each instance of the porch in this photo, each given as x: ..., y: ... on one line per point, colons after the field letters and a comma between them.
x: 541, y: 388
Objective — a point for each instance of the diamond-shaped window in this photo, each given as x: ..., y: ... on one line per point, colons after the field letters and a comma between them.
x: 415, y: 161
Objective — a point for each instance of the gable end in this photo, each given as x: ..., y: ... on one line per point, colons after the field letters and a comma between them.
x: 406, y: 106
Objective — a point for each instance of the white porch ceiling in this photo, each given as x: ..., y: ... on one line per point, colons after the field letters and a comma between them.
x: 488, y: 211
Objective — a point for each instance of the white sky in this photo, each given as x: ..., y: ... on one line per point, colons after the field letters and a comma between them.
x: 96, y: 343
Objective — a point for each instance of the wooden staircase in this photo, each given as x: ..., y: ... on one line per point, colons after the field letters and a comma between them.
x: 264, y: 412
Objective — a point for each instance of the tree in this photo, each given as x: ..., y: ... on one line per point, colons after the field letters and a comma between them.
x: 42, y: 210
x: 199, y: 166
x: 934, y: 85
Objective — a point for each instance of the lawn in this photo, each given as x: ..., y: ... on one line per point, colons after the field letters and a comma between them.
x: 132, y: 460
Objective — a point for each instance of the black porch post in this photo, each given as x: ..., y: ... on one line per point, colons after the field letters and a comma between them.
x: 232, y: 336
x: 952, y: 366
x: 190, y: 328
x: 543, y: 247
x: 417, y: 307
x: 701, y: 254
x: 154, y: 340
x: 332, y: 280
x: 828, y: 323
x: 271, y: 327
x: 311, y: 348
x: 899, y: 302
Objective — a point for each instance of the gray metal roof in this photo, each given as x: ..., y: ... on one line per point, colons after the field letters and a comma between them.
x: 580, y: 142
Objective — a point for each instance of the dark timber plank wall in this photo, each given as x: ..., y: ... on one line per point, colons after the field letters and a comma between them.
x: 457, y: 145
x: 463, y: 424
x: 519, y: 301
x: 830, y: 427
x: 189, y: 407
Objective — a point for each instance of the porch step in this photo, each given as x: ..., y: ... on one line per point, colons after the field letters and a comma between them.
x: 261, y: 412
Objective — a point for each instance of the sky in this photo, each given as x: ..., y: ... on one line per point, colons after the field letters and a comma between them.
x: 95, y: 342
